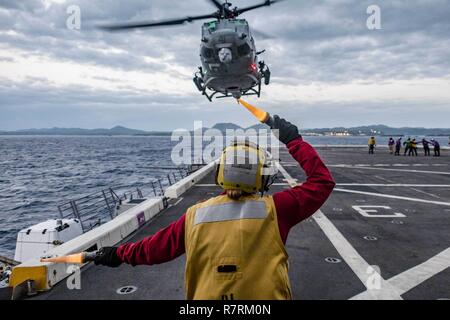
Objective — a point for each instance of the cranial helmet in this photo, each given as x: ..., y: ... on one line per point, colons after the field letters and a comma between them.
x: 245, y: 166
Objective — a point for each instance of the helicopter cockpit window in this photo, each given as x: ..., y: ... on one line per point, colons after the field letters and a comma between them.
x: 207, y: 52
x: 241, y: 26
x: 243, y: 50
x: 209, y: 27
x: 242, y: 22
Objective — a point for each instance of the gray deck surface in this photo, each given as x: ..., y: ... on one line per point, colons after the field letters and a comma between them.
x: 402, y: 243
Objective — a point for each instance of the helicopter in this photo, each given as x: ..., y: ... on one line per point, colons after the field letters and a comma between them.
x: 230, y: 66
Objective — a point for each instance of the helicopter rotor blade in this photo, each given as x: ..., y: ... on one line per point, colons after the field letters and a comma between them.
x: 256, y: 6
x: 161, y: 23
x: 217, y: 4
x: 261, y: 35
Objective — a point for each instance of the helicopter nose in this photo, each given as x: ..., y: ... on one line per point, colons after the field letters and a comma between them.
x: 225, y: 55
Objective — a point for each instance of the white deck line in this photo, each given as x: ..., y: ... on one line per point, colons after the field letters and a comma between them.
x: 396, y: 185
x: 353, y: 259
x: 395, y: 286
x: 382, y: 195
x: 411, y: 278
x: 358, y: 165
x: 360, y: 146
x: 427, y: 193
x: 385, y: 169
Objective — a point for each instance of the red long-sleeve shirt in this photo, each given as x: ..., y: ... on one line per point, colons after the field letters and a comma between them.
x: 292, y: 206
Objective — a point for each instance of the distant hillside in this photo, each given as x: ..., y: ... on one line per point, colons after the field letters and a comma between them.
x: 362, y: 130
x: 259, y: 126
x: 383, y: 130
x: 116, y: 131
x: 123, y: 131
x: 231, y: 126
x: 226, y: 126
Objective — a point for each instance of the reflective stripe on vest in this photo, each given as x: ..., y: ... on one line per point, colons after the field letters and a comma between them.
x: 231, y: 211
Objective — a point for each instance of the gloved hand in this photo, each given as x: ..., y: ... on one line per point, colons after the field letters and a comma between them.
x: 107, y: 256
x: 286, y: 130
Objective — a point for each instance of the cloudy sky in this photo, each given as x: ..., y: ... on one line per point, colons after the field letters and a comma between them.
x: 328, y: 69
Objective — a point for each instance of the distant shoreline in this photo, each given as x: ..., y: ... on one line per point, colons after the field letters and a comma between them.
x: 338, y: 132
x: 14, y: 134
x: 168, y: 134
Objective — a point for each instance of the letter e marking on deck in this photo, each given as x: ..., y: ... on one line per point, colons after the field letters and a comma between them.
x: 368, y: 212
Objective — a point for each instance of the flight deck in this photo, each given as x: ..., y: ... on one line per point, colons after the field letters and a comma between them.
x: 384, y: 233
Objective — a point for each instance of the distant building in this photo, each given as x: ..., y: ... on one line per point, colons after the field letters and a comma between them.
x: 338, y: 133
x: 312, y: 134
x: 375, y: 132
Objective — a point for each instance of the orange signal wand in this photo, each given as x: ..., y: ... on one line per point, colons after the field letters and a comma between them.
x: 78, y: 258
x: 261, y: 115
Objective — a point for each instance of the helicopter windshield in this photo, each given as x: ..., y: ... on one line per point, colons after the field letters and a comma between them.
x: 241, y: 22
x: 210, y: 26
x: 207, y: 52
x: 243, y: 50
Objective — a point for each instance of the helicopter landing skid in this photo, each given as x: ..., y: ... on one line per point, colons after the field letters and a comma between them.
x: 249, y: 92
x: 203, y: 88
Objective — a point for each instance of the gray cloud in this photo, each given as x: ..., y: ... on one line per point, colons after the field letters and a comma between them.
x: 313, y: 42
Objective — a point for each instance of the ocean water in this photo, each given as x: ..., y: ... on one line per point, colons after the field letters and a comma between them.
x: 39, y: 172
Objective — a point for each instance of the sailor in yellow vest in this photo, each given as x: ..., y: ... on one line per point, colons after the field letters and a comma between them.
x: 372, y: 143
x: 235, y: 243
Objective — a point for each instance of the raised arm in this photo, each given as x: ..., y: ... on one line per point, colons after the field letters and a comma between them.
x: 297, y: 204
x: 300, y: 202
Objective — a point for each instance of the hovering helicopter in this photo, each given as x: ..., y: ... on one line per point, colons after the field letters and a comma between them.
x: 230, y: 65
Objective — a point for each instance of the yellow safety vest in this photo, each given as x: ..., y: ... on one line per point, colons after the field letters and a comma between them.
x: 234, y: 251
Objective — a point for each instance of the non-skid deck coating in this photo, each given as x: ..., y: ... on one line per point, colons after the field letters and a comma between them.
x: 411, y: 248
